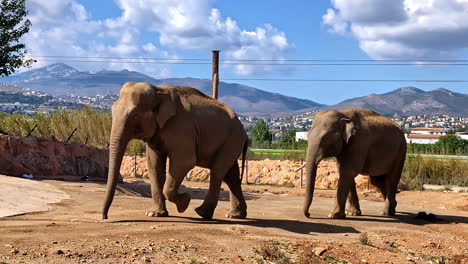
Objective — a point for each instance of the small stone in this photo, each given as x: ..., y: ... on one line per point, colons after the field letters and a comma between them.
x: 14, y: 251
x: 320, y: 250
x: 59, y: 252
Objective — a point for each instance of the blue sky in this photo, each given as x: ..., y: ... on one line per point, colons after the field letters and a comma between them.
x: 277, y: 30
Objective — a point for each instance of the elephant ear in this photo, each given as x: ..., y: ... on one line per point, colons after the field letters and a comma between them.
x: 166, y: 109
x: 348, y: 129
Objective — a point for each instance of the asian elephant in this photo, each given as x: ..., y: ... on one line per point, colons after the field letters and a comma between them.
x: 363, y: 142
x: 189, y: 128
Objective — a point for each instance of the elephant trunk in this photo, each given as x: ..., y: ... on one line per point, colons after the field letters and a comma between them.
x: 312, y: 160
x: 118, y: 143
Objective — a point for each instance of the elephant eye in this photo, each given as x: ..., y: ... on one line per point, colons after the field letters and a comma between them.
x: 135, y: 116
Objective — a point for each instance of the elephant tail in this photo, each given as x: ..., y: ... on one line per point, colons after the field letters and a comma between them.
x: 244, y: 156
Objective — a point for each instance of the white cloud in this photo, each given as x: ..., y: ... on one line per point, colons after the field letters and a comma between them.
x: 64, y: 27
x: 194, y: 25
x: 403, y: 29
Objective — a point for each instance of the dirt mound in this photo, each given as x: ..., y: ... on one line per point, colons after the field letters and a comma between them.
x: 258, y: 171
x: 50, y: 157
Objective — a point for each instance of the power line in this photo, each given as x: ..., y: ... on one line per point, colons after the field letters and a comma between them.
x: 234, y: 60
x: 263, y: 64
x: 342, y: 80
x: 116, y: 58
x: 272, y: 79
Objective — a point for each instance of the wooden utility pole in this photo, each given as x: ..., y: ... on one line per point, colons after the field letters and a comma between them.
x: 215, y: 77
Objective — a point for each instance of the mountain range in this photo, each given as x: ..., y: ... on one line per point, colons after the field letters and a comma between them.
x: 61, y: 80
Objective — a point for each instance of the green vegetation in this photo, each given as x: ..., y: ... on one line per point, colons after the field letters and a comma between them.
x: 421, y: 170
x: 447, y: 145
x: 14, y: 26
x: 261, y: 136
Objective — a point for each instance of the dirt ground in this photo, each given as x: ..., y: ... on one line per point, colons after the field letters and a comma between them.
x: 275, y: 231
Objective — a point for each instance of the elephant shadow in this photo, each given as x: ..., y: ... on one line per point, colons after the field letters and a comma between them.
x: 412, y: 218
x: 294, y: 226
x: 143, y: 189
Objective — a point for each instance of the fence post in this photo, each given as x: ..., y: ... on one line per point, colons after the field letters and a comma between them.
x: 134, y: 174
x: 246, y: 171
x: 302, y: 173
x: 86, y: 140
x: 215, y: 76
x: 32, y: 129
x: 71, y: 135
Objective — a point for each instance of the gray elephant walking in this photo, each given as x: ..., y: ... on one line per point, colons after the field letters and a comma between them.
x: 189, y: 128
x: 363, y: 142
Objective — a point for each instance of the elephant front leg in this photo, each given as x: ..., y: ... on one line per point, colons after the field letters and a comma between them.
x: 344, y: 184
x: 157, y: 174
x: 172, y: 184
x: 353, y: 202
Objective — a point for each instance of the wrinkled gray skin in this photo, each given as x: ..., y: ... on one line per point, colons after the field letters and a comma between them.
x: 363, y: 142
x: 189, y: 128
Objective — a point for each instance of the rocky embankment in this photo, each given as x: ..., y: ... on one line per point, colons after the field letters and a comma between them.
x: 41, y: 157
x: 259, y: 172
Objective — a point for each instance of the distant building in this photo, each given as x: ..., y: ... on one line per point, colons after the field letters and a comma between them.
x: 463, y: 135
x: 428, y: 130
x: 425, y: 135
x: 422, y: 138
x: 301, y: 135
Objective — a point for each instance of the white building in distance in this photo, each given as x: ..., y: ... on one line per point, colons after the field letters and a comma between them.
x: 425, y: 135
x: 301, y: 135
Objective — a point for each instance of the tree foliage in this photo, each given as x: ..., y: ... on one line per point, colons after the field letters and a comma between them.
x: 260, y: 134
x: 13, y: 26
x: 288, y: 140
x: 452, y: 144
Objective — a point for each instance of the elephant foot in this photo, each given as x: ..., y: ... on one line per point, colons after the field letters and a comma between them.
x: 353, y: 212
x: 204, y: 212
x: 337, y: 215
x: 237, y: 214
x: 388, y: 212
x: 183, y: 202
x: 157, y: 213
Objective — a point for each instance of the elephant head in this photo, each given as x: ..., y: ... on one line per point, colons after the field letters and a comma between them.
x: 330, y: 132
x: 139, y: 112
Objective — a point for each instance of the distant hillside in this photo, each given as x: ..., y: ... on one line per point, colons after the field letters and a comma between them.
x: 60, y: 79
x: 410, y: 101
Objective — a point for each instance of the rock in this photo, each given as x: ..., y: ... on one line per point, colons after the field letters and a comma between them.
x: 320, y: 250
x: 59, y: 252
x: 49, y: 157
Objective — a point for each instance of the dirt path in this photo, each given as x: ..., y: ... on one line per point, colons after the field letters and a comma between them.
x: 275, y: 231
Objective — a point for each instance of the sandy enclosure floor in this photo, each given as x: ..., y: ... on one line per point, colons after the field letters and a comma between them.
x: 275, y: 231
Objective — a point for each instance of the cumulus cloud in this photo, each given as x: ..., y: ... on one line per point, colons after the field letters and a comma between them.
x: 64, y: 27
x: 194, y: 25
x: 403, y: 29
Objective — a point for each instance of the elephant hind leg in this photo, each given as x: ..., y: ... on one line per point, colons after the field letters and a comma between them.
x: 380, y: 183
x: 238, y: 204
x: 392, y: 181
x: 220, y: 166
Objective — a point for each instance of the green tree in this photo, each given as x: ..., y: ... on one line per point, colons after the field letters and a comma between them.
x: 288, y: 139
x: 260, y: 134
x: 452, y: 144
x: 13, y: 26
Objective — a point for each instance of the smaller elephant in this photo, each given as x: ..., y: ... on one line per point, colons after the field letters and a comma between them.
x: 363, y: 142
x: 190, y: 129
